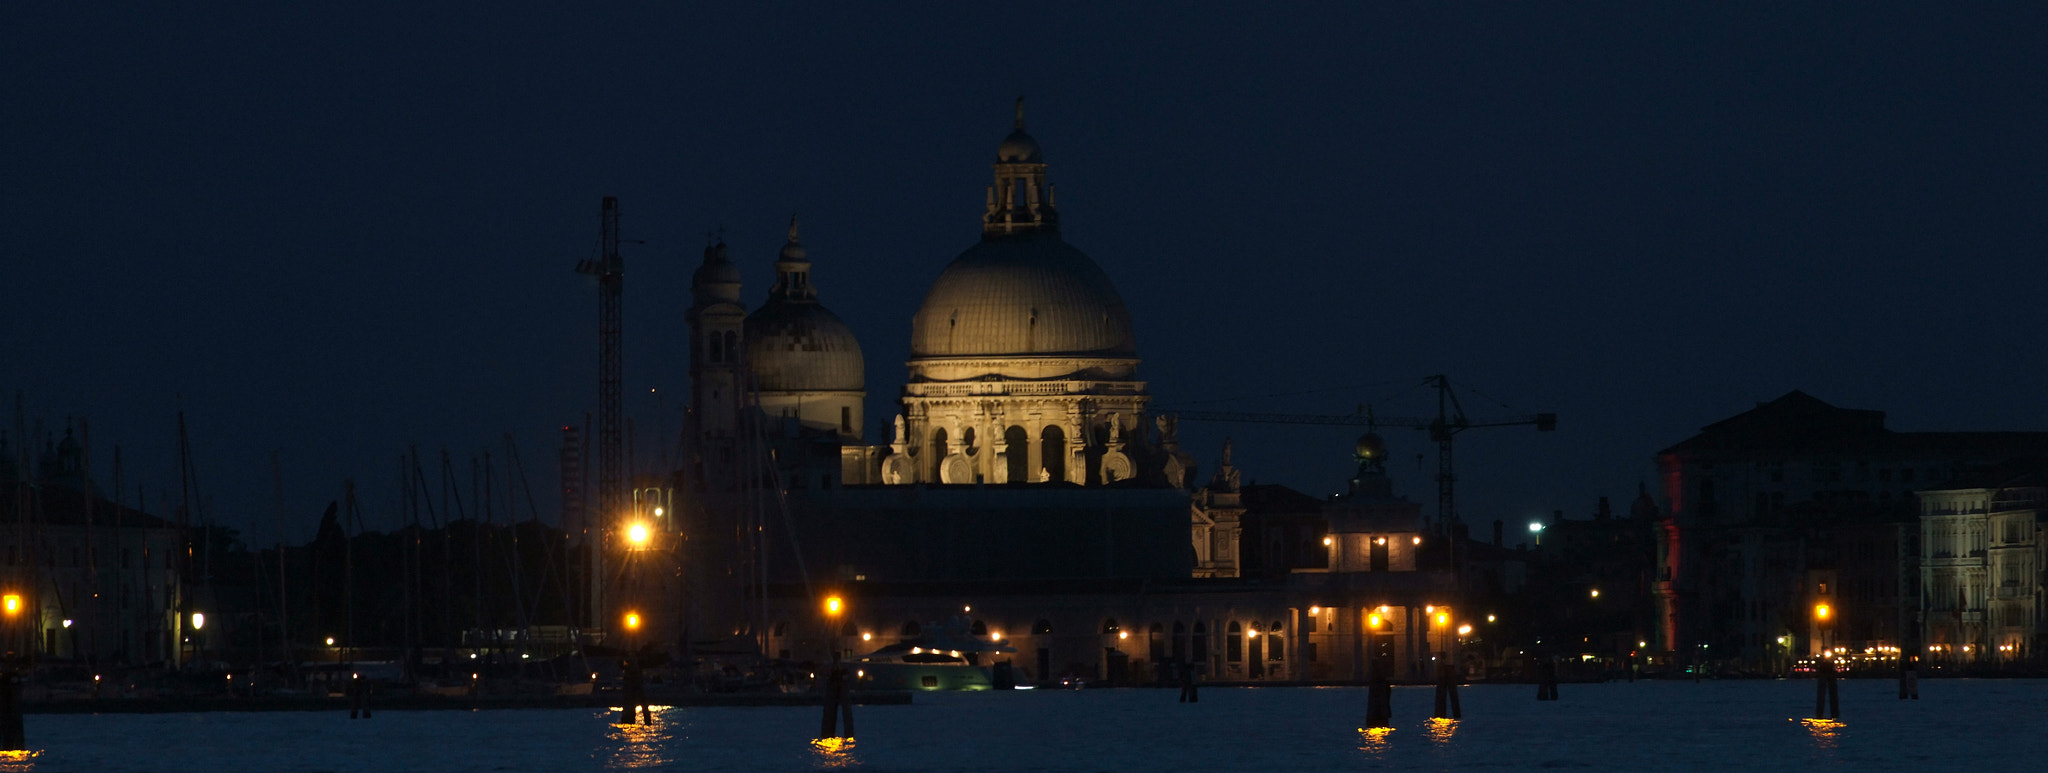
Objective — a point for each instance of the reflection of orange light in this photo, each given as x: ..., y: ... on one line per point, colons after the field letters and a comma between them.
x: 1373, y: 739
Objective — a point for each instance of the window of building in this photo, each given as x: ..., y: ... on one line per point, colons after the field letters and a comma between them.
x: 1233, y: 643
x: 845, y: 418
x: 1274, y: 650
x: 1200, y: 641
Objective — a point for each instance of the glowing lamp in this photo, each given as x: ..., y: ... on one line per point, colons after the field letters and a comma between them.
x: 1443, y: 618
x: 67, y: 623
x: 637, y: 534
x: 1123, y: 634
x: 1373, y: 621
x: 1418, y: 540
x: 658, y: 512
x: 1315, y: 610
x: 330, y: 641
x: 632, y: 621
x: 867, y: 636
x: 1821, y: 612
x: 1328, y: 542
x: 1596, y: 593
x: 1465, y: 630
x: 11, y: 603
x: 833, y: 605
x: 198, y: 620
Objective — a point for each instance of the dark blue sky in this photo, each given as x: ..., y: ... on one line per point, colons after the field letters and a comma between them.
x: 335, y: 230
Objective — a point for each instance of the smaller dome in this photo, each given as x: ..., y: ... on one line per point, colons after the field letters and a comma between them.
x: 1019, y: 148
x: 1371, y: 447
x: 802, y: 347
x: 717, y: 268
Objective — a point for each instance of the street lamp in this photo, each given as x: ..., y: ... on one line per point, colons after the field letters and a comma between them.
x: 638, y: 535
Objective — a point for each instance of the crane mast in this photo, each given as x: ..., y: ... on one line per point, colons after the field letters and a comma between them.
x: 607, y: 268
x: 1443, y: 430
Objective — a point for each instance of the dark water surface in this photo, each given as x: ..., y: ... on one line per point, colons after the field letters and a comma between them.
x: 1746, y: 725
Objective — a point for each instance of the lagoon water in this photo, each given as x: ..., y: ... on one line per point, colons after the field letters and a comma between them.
x: 1733, y: 725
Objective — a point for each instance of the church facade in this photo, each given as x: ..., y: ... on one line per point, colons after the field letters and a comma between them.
x: 1024, y: 493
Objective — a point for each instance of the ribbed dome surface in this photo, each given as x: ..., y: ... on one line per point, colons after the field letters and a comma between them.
x: 799, y: 347
x: 1030, y: 294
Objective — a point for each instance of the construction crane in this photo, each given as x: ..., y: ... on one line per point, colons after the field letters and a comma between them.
x: 610, y: 402
x: 1443, y: 429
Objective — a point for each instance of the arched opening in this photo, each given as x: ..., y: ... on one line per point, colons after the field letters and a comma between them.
x: 938, y: 453
x: 1017, y: 445
x: 1233, y: 643
x: 1200, y: 642
x: 1180, y: 640
x: 713, y: 350
x: 1256, y: 650
x: 1052, y: 452
x: 1156, y: 639
x: 732, y: 346
x: 967, y: 441
x: 1274, y: 651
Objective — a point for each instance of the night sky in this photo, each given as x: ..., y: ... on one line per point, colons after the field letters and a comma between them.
x: 334, y: 230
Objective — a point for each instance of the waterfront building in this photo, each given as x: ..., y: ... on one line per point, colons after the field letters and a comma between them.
x: 1771, y: 511
x: 1981, y: 562
x: 98, y: 580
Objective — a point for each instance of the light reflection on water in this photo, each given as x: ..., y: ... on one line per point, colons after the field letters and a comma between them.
x: 641, y: 746
x: 19, y: 760
x: 1827, y: 733
x: 834, y: 753
x: 1440, y: 730
x: 1373, y: 740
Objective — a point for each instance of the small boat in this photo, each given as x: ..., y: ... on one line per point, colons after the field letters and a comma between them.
x: 930, y: 663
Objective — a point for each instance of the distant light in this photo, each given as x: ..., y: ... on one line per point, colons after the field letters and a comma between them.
x: 67, y: 623
x: 1380, y: 541
x: 1443, y: 618
x: 916, y: 650
x: 659, y: 512
x: 1642, y: 644
x: 198, y: 620
x: 995, y: 635
x: 638, y: 534
x: 1418, y: 540
x: 11, y: 603
x: 1489, y: 618
x: 1535, y: 526
x: 866, y: 636
x: 1327, y: 541
x: 330, y: 643
x: 1465, y: 629
x: 833, y: 604
x: 1123, y: 634
x: 1315, y: 610
x: 1596, y: 593
x: 1428, y: 610
x: 967, y: 608
x: 472, y: 656
x: 1372, y: 620
x: 632, y: 621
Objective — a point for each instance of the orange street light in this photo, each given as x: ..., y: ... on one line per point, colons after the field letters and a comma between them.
x: 632, y: 621
x: 833, y: 605
x: 1821, y: 612
x: 638, y: 534
x: 11, y: 603
x: 1373, y: 621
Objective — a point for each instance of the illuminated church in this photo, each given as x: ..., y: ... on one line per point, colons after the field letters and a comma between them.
x: 1023, y: 488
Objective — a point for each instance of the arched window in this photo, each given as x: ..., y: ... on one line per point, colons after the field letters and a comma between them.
x: 1233, y: 643
x: 1157, y: 639
x: 1180, y: 640
x: 1052, y: 447
x: 1273, y: 648
x: 712, y: 348
x: 1017, y: 449
x: 911, y: 628
x: 1041, y: 628
x: 732, y: 346
x: 938, y: 452
x: 1201, y: 641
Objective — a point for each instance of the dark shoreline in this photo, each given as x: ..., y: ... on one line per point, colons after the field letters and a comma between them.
x: 432, y: 703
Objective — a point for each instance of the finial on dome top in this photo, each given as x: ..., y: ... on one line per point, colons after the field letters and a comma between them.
x: 792, y: 229
x: 1020, y: 113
